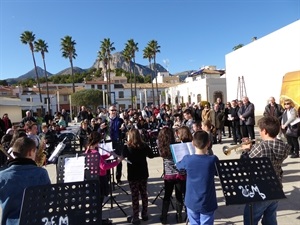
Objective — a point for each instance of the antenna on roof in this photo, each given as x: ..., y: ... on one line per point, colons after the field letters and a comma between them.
x: 167, y: 63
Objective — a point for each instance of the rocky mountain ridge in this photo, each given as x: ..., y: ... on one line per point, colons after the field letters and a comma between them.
x: 117, y: 62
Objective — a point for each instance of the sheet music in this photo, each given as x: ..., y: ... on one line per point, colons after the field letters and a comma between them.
x: 74, y: 169
x: 107, y: 146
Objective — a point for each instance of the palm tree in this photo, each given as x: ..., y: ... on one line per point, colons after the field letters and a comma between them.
x: 153, y: 45
x: 41, y: 46
x: 132, y: 48
x: 127, y: 56
x: 27, y: 37
x: 106, y: 48
x: 69, y: 52
x: 148, y: 54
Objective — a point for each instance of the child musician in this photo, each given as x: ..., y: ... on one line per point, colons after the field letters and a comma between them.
x: 201, y: 203
x: 92, y: 147
x: 172, y: 177
x: 137, y: 152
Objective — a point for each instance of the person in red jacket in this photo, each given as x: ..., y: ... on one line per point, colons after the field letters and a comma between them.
x: 92, y: 147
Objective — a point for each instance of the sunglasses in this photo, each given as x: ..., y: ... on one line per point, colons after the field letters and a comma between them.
x: 113, y: 110
x: 287, y: 103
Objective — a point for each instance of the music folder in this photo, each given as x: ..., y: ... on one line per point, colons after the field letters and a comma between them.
x: 179, y: 150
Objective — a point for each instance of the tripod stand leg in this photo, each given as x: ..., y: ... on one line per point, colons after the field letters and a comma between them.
x: 158, y: 195
x: 161, y: 190
x: 115, y: 184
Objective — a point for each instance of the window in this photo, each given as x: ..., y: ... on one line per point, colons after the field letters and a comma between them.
x: 45, y: 100
x: 99, y: 86
x: 28, y: 100
x: 198, y: 97
x: 121, y: 94
x: 93, y: 86
x: 65, y: 98
x: 118, y: 86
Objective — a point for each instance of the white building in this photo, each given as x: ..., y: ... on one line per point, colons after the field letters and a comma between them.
x: 164, y: 77
x: 263, y: 63
x: 203, y: 85
x: 121, y: 92
x: 205, y: 89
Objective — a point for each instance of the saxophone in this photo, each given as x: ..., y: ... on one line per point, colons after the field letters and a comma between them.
x: 40, y: 157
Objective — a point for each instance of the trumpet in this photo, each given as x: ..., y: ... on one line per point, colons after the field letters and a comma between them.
x: 238, y: 148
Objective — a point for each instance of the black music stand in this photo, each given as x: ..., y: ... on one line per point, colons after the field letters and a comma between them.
x: 73, y: 203
x: 91, y: 171
x: 245, y: 181
x: 111, y: 198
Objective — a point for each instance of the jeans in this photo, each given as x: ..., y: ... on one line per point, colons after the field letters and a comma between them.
x: 196, y: 218
x: 265, y: 209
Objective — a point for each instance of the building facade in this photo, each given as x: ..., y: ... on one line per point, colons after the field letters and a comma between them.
x: 262, y: 64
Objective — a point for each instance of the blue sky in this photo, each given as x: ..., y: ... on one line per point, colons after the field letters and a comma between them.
x: 191, y: 33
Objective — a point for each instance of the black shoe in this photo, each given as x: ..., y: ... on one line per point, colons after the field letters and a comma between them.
x: 131, y: 220
x: 295, y: 156
x: 145, y: 217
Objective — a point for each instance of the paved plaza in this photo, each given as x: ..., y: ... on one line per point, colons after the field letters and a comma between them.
x: 288, y: 211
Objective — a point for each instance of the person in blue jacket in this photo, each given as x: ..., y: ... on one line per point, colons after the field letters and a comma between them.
x: 200, y: 197
x: 22, y: 172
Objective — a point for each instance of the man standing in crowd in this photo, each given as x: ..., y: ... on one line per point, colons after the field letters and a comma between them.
x: 217, y: 120
x: 277, y: 151
x: 235, y: 122
x: 66, y: 116
x: 273, y: 109
x: 27, y: 118
x: 116, y: 129
x: 247, y: 118
x: 83, y: 114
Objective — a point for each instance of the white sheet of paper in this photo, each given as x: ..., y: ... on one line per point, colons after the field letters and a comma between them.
x: 107, y: 146
x: 74, y: 169
x: 295, y: 121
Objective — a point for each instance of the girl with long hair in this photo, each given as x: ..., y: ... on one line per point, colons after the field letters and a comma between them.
x: 172, y: 177
x: 92, y: 147
x: 137, y: 152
